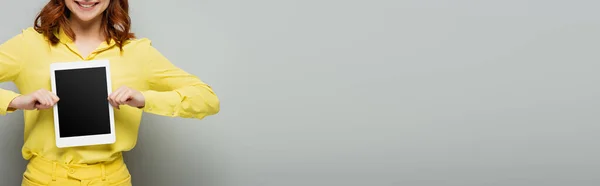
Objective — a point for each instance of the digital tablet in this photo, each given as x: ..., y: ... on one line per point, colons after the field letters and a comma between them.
x: 83, y: 116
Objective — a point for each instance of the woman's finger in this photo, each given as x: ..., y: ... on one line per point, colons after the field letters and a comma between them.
x: 40, y: 98
x: 44, y: 101
x: 112, y: 102
x: 114, y: 93
x: 41, y: 107
x: 54, y: 97
x: 48, y: 98
x: 115, y: 97
x: 122, y: 98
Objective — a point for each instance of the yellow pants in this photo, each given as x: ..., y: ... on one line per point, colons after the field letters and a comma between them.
x: 42, y: 172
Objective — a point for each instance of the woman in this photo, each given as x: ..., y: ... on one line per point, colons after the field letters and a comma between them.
x: 143, y: 81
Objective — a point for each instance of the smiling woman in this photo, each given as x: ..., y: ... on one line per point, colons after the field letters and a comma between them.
x: 115, y: 15
x: 143, y: 80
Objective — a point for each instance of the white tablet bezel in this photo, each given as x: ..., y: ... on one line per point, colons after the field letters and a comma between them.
x: 90, y: 139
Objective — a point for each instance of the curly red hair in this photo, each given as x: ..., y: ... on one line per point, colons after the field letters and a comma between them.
x: 116, y: 21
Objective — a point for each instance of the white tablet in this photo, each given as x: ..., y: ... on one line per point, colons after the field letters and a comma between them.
x: 83, y: 116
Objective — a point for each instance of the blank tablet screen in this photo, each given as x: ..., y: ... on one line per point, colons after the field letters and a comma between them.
x: 83, y: 108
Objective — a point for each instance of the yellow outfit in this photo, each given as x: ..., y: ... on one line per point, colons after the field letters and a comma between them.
x: 169, y: 91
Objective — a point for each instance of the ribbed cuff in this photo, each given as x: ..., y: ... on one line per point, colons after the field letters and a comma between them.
x: 161, y: 103
x: 6, y: 96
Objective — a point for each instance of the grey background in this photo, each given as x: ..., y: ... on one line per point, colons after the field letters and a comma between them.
x: 366, y: 93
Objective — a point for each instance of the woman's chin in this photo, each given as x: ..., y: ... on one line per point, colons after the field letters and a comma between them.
x: 85, y: 17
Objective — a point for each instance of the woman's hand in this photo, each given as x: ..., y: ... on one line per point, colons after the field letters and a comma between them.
x: 127, y: 96
x: 40, y: 99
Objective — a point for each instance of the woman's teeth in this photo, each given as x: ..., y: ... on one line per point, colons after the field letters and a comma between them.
x: 87, y: 5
